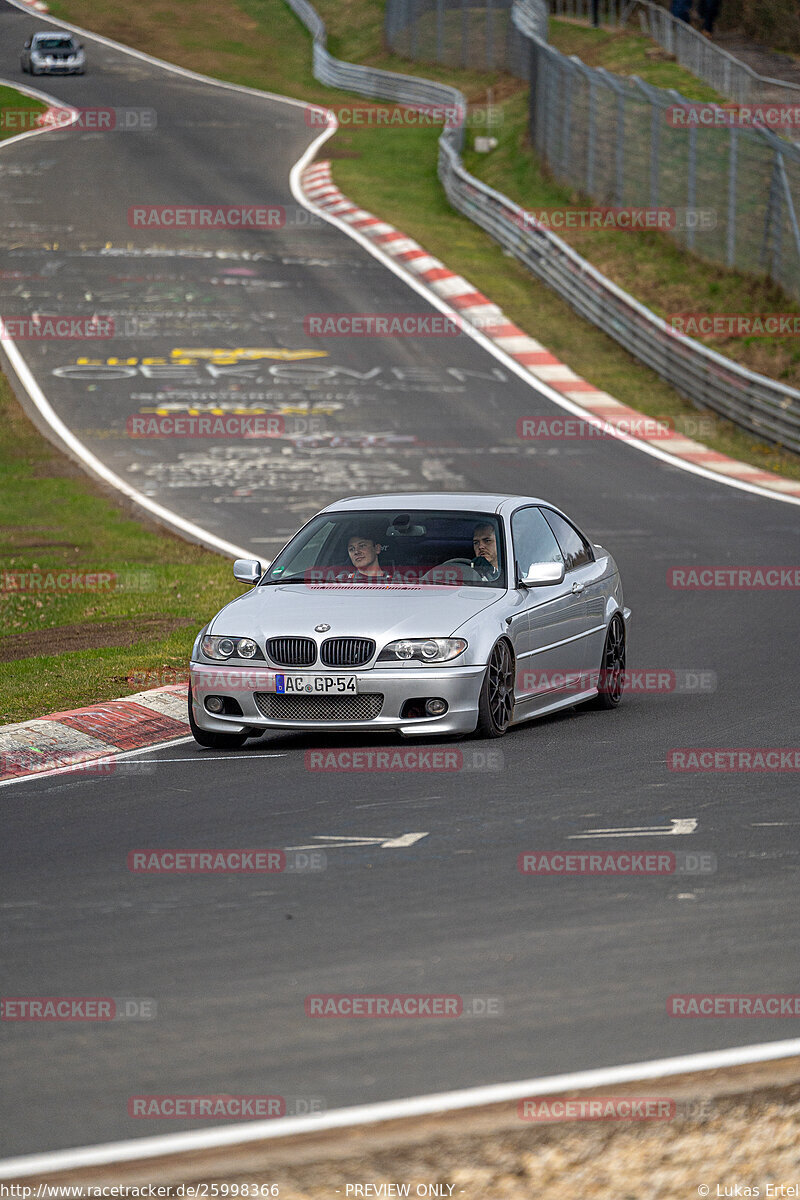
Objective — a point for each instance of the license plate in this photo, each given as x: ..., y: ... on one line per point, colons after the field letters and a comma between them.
x: 319, y: 685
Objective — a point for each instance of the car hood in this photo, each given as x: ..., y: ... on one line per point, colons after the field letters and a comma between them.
x: 383, y: 613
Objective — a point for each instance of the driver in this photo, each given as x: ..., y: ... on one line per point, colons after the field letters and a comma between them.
x: 484, y: 545
x: 363, y: 553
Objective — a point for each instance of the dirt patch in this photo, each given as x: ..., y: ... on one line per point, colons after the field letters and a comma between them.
x: 56, y: 468
x: 60, y: 639
x: 36, y: 544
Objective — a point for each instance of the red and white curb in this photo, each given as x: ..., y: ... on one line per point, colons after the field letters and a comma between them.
x: 473, y: 306
x: 73, y: 740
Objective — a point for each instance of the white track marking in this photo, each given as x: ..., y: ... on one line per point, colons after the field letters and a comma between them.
x: 95, y: 467
x: 137, y: 1149
x: 245, y: 756
x: 676, y: 826
x: 127, y: 754
x: 337, y: 841
x: 407, y: 839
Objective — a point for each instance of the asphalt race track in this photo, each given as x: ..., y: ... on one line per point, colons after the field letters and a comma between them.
x: 580, y: 968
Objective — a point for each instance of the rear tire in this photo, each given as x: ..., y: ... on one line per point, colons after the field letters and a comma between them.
x: 214, y: 741
x: 611, y: 683
x: 496, y: 703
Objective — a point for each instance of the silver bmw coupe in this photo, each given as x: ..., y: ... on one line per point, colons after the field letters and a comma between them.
x: 426, y: 614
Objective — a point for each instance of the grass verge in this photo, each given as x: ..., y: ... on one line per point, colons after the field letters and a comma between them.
x: 142, y: 620
x: 17, y: 112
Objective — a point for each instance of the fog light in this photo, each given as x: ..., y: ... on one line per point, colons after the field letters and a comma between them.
x: 215, y: 704
x: 435, y: 708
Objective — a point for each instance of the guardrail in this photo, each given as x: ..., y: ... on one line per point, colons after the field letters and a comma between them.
x: 766, y: 408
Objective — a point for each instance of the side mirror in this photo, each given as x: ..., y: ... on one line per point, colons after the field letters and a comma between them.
x: 542, y: 574
x: 247, y: 570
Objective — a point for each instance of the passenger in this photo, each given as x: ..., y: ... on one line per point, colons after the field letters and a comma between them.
x: 363, y: 553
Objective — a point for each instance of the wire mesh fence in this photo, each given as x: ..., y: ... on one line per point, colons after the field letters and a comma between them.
x: 454, y: 33
x: 702, y: 57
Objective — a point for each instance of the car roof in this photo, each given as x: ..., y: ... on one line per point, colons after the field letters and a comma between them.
x: 457, y: 501
x: 57, y: 33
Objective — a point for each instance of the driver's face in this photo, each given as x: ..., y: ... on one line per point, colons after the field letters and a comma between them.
x: 363, y: 553
x: 484, y: 544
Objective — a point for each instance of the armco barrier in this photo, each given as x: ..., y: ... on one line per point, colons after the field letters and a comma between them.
x: 764, y: 407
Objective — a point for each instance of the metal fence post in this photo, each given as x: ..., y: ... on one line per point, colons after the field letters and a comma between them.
x: 730, y: 234
x: 790, y: 207
x: 568, y: 80
x: 533, y: 77
x: 440, y: 30
x: 591, y: 136
x: 656, y: 117
x: 620, y: 155
x: 769, y: 217
x: 691, y: 189
x: 464, y: 34
x: 489, y: 35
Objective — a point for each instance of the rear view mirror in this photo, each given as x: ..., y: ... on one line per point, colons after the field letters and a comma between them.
x: 543, y: 573
x: 247, y: 570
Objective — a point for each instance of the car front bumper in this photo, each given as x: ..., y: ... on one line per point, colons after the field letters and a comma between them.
x: 58, y: 68
x: 459, y: 686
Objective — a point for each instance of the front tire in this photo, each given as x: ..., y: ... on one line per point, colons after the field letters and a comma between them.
x: 214, y: 741
x: 611, y: 683
x: 496, y: 703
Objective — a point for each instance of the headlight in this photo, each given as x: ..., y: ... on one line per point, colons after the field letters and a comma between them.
x: 427, y: 650
x: 229, y: 647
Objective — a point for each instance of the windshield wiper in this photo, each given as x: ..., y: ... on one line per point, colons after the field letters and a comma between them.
x: 301, y: 578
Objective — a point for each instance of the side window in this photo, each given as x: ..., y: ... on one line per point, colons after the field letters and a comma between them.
x: 576, y: 551
x: 533, y: 539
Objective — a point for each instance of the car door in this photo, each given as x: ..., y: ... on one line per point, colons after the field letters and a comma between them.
x: 586, y: 577
x: 552, y: 632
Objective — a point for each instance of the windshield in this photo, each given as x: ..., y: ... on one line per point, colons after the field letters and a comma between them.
x: 395, y: 547
x: 54, y: 43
